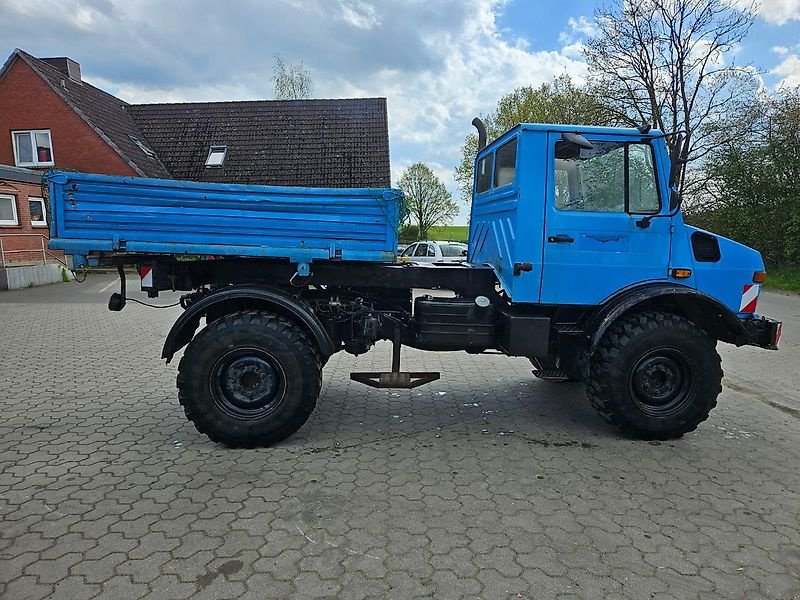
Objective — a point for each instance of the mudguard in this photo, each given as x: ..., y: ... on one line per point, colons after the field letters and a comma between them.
x: 262, y: 297
x: 705, y: 311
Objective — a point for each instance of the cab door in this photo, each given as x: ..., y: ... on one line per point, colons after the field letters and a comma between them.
x: 595, y: 197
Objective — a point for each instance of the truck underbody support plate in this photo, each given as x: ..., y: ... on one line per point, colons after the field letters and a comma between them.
x: 395, y: 378
x: 405, y: 380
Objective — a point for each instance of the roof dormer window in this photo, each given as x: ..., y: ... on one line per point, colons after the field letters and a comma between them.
x: 216, y: 157
x: 148, y: 152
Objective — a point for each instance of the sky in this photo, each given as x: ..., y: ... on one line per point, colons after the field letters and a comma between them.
x: 438, y: 62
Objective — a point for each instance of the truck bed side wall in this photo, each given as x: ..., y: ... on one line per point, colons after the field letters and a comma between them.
x: 104, y: 213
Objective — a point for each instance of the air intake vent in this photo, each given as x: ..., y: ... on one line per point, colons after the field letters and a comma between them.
x: 705, y: 247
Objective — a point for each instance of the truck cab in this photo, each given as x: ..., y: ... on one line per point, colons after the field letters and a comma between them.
x: 569, y: 225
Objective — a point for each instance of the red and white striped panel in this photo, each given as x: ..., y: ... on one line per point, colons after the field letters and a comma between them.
x: 749, y: 298
x: 146, y: 275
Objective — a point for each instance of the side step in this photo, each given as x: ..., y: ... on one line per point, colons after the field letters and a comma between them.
x: 551, y: 375
x: 395, y: 378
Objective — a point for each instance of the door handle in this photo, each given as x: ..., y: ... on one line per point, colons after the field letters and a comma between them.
x: 561, y: 238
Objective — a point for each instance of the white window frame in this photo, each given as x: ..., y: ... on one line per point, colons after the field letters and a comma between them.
x: 216, y: 149
x: 44, y: 211
x: 32, y: 133
x: 15, y: 222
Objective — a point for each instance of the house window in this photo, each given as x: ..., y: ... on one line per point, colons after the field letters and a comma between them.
x: 148, y: 152
x: 8, y: 210
x: 216, y: 156
x: 33, y: 148
x: 38, y: 212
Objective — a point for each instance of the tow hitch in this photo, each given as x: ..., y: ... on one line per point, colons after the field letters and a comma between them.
x: 117, y: 300
x: 395, y: 378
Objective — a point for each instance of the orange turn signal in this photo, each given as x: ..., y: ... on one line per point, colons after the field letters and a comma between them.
x: 760, y: 276
x: 681, y: 273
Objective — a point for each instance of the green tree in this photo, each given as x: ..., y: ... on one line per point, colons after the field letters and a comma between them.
x: 559, y: 101
x: 751, y: 189
x: 668, y: 63
x: 292, y: 82
x: 427, y: 199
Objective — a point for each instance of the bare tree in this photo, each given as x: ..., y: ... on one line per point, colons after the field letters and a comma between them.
x: 427, y: 199
x: 668, y: 63
x: 292, y: 82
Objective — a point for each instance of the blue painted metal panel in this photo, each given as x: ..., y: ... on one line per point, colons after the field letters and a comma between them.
x: 92, y: 213
x: 724, y: 280
x: 506, y: 222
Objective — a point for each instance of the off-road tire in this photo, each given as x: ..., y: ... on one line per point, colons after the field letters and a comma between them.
x: 629, y: 353
x: 271, y: 347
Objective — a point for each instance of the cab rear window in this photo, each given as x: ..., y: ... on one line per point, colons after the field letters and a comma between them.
x: 505, y: 164
x: 484, y: 177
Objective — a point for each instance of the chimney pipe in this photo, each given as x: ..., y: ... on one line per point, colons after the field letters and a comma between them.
x: 481, y: 132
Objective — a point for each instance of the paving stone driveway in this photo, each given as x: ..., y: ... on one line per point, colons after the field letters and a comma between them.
x: 486, y: 484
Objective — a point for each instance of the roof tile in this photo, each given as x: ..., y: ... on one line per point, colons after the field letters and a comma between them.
x: 316, y: 143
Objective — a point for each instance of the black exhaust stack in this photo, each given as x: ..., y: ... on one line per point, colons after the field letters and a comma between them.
x: 481, y: 132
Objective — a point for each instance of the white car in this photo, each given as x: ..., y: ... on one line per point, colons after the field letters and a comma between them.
x: 435, y: 252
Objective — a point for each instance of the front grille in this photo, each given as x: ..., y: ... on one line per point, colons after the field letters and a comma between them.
x: 705, y: 247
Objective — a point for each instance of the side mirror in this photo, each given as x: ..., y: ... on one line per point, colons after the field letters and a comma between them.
x: 463, y: 252
x: 576, y: 139
x: 571, y: 144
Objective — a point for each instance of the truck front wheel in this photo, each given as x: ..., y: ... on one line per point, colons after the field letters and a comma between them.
x: 249, y: 379
x: 655, y: 376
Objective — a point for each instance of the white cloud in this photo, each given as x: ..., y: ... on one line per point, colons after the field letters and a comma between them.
x: 788, y: 70
x: 774, y: 11
x: 572, y: 39
x: 359, y: 14
x: 573, y: 50
x: 583, y: 26
x: 780, y: 50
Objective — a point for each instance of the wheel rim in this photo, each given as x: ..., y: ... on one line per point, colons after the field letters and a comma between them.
x: 247, y: 383
x: 662, y: 382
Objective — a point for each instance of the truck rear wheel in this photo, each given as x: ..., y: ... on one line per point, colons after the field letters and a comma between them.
x: 249, y: 379
x: 655, y: 376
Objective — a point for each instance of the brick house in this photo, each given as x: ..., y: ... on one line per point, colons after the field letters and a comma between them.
x: 23, y: 218
x: 24, y: 255
x: 51, y: 118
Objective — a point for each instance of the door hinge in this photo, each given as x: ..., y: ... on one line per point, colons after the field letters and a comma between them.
x: 521, y: 267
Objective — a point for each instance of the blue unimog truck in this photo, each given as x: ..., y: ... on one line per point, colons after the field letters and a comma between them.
x: 579, y: 260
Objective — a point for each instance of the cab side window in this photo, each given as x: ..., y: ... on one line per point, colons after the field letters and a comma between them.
x: 642, y: 183
x: 422, y: 250
x: 611, y: 177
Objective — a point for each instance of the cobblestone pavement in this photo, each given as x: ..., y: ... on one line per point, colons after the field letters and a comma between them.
x: 486, y: 484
